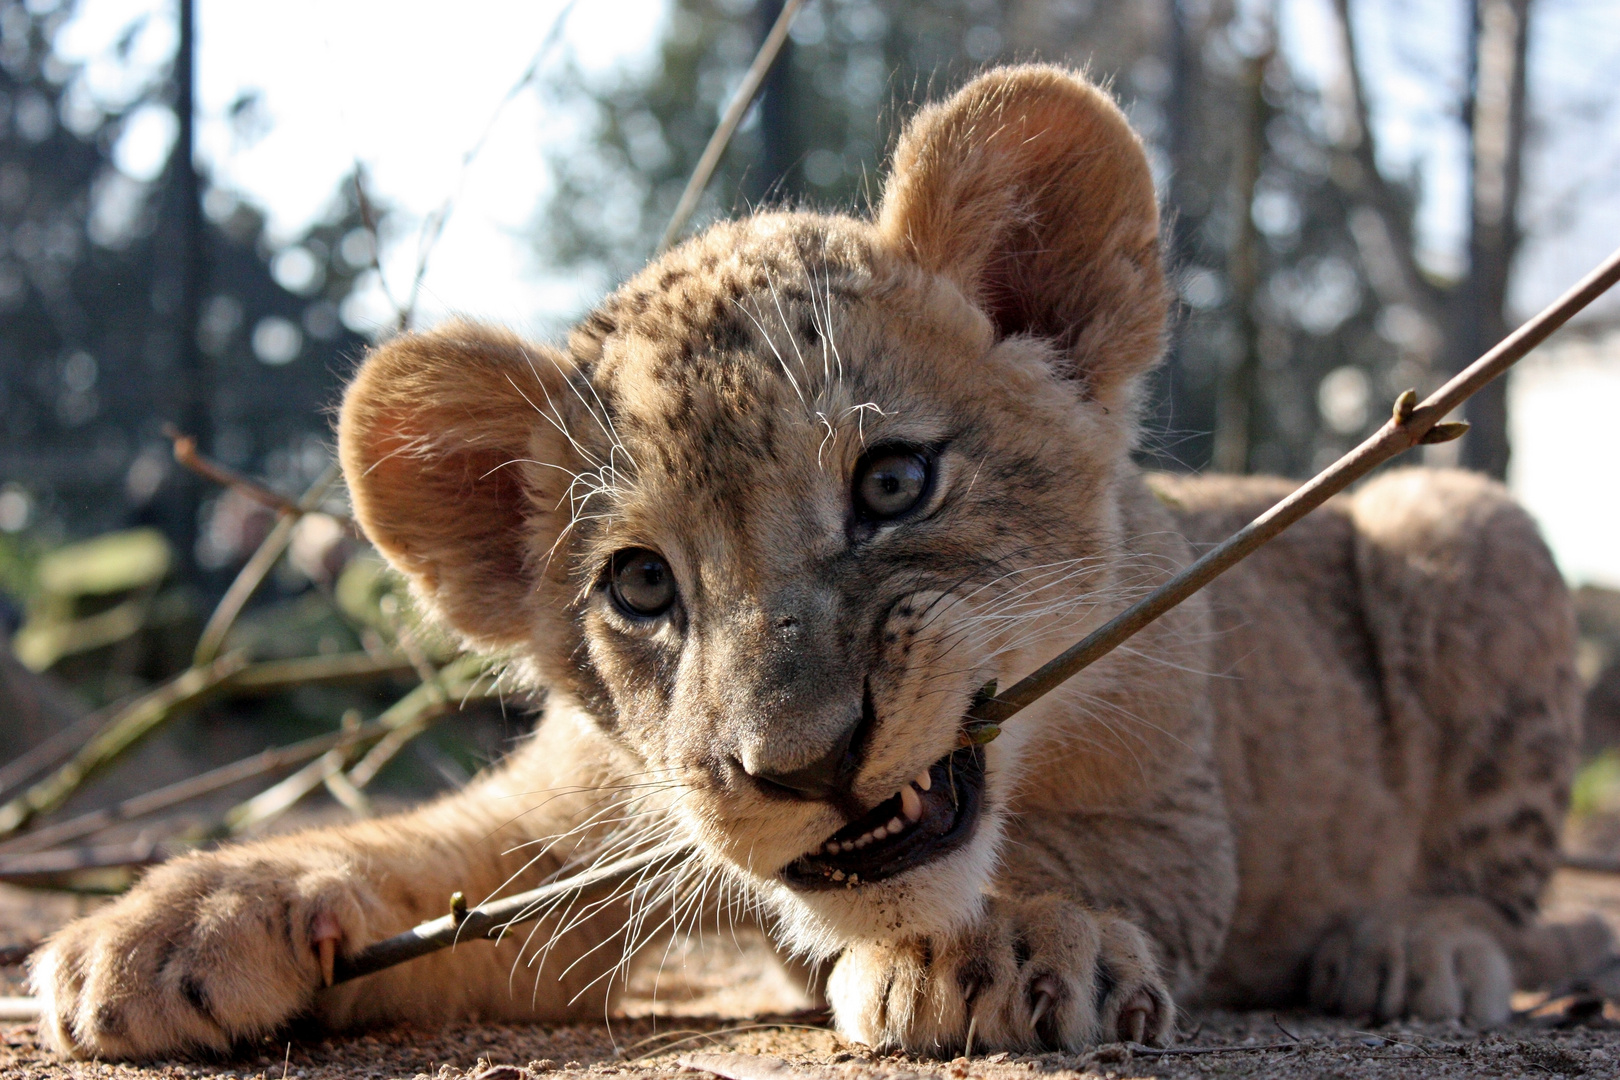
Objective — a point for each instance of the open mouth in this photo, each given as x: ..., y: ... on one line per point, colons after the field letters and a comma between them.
x: 932, y: 814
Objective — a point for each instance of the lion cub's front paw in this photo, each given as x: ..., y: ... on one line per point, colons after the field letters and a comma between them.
x: 1031, y: 974
x: 204, y: 951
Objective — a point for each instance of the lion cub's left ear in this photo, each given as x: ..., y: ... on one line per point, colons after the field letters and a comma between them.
x: 1030, y: 191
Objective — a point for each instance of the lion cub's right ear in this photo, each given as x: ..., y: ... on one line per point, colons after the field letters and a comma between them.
x: 456, y: 462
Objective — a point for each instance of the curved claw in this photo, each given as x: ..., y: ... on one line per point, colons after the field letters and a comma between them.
x: 1133, y: 1018
x: 326, y: 933
x: 1043, y: 1001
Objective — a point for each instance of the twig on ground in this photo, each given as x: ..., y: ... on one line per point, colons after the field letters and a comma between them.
x: 126, y: 727
x: 93, y: 857
x: 1410, y: 425
x: 1179, y: 1051
x: 740, y: 101
x: 36, y: 759
x: 258, y: 566
x: 400, y: 722
x: 1591, y: 864
x: 267, y: 761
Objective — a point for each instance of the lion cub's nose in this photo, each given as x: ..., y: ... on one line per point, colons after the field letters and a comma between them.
x: 827, y: 777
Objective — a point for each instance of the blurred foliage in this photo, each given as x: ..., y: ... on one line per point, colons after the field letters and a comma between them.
x: 1299, y: 322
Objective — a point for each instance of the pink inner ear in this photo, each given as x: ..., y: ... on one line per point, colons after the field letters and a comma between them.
x: 424, y: 501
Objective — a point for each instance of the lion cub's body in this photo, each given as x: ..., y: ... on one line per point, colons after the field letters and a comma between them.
x: 1335, y: 776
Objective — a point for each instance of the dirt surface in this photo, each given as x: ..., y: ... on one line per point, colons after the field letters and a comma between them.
x: 708, y: 1001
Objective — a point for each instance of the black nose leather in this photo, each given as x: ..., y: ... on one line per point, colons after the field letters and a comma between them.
x: 824, y: 778
x: 829, y: 776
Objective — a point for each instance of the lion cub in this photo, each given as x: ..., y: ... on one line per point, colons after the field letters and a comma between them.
x: 787, y: 499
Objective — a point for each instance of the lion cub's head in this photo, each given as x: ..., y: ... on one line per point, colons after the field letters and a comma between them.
x: 801, y: 487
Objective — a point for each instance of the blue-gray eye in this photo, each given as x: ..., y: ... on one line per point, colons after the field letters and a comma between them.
x: 889, y: 482
x: 641, y: 583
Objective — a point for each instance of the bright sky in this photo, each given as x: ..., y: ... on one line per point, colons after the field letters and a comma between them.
x: 408, y: 87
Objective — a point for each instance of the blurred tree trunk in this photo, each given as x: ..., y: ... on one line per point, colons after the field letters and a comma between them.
x: 1179, y: 404
x: 1495, y: 114
x: 768, y: 181
x: 1238, y: 409
x: 1473, y: 310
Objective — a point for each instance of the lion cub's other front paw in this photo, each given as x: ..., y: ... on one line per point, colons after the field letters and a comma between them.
x: 206, y: 950
x: 1031, y: 974
x: 1430, y: 959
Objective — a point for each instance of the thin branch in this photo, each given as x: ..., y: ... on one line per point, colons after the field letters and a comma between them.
x: 740, y: 101
x: 126, y: 727
x: 492, y: 920
x: 258, y: 567
x: 410, y: 715
x: 433, y: 226
x: 185, y: 452
x: 34, y: 864
x: 1411, y: 425
x: 267, y: 761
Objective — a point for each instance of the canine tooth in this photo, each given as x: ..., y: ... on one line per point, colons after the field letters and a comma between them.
x: 895, y: 826
x: 910, y: 803
x: 924, y: 780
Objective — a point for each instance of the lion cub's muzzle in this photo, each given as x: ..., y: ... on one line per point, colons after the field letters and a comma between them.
x: 930, y: 816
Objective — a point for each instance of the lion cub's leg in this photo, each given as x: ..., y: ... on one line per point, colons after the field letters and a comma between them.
x: 1474, y: 638
x: 229, y: 944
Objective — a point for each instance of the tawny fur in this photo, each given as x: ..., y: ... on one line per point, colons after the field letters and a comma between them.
x: 1334, y: 777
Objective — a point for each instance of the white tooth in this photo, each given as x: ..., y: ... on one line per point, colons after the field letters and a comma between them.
x: 924, y: 781
x: 910, y: 803
x: 862, y: 840
x: 880, y: 833
x: 895, y: 826
x: 838, y: 875
x: 833, y: 847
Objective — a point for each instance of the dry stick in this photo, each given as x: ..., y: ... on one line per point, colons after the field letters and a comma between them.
x: 1409, y: 426
x: 254, y: 571
x: 493, y: 919
x: 1592, y: 864
x: 123, y: 730
x: 143, y: 852
x: 36, y: 759
x: 458, y: 681
x: 266, y: 761
x: 744, y: 97
x: 121, y: 727
x: 185, y: 452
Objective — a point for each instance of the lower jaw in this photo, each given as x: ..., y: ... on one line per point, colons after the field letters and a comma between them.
x: 961, y: 774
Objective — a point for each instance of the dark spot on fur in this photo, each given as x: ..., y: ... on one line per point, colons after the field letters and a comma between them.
x: 1484, y: 778
x: 1021, y: 950
x: 110, y: 1020
x: 191, y: 988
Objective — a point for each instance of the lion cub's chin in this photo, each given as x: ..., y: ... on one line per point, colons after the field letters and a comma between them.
x: 939, y: 897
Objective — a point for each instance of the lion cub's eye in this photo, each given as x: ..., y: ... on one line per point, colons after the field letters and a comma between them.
x: 641, y: 583
x: 889, y: 481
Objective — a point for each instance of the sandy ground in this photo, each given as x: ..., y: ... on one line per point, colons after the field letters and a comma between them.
x: 706, y: 1011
